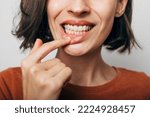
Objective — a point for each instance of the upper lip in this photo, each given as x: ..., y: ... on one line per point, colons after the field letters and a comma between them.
x: 78, y: 23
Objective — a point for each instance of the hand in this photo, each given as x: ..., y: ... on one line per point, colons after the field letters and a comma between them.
x: 44, y: 80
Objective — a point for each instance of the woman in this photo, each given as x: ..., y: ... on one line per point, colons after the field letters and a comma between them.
x: 79, y: 29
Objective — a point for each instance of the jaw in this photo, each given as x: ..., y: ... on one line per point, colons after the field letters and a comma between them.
x: 81, y: 42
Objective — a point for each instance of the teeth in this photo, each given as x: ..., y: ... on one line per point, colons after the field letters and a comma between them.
x: 77, y: 30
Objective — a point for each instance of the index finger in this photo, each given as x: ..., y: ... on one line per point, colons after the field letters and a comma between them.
x: 46, y: 48
x: 37, y: 45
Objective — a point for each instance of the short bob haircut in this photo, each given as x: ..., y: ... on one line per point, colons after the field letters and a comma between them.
x: 34, y: 24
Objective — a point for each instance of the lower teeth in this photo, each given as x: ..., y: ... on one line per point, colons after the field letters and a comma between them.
x: 74, y: 33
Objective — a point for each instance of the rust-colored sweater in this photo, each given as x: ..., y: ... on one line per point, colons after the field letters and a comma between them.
x: 127, y: 85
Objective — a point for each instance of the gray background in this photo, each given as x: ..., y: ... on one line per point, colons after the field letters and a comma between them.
x: 139, y: 60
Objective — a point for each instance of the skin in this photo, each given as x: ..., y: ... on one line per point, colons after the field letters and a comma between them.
x: 44, y: 80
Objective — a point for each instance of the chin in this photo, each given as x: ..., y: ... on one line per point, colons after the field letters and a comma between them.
x: 75, y: 50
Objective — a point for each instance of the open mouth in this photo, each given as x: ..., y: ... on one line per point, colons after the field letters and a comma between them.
x: 77, y: 29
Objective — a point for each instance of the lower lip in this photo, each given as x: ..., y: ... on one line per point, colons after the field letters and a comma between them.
x: 75, y: 38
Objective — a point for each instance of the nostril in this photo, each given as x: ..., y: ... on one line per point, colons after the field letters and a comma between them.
x: 84, y: 12
x: 79, y: 12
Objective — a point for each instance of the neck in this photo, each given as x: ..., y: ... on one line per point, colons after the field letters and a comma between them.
x: 87, y: 70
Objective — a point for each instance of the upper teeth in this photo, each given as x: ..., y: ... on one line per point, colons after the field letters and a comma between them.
x: 77, y: 28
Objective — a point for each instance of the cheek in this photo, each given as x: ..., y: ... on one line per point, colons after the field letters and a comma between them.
x: 54, y: 7
x: 106, y: 13
x: 105, y: 9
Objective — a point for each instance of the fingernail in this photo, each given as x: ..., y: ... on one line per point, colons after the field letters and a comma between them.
x: 38, y: 40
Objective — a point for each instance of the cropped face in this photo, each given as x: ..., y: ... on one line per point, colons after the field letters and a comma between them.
x: 86, y: 22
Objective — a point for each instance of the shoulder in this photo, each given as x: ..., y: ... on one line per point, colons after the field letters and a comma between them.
x: 136, y: 82
x: 134, y: 75
x: 11, y: 83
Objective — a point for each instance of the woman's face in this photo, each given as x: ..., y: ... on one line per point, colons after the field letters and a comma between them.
x: 86, y: 22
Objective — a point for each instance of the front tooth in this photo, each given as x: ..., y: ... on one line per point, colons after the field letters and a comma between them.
x: 75, y: 28
x: 84, y: 27
x: 80, y: 28
x: 68, y: 26
x: 71, y: 27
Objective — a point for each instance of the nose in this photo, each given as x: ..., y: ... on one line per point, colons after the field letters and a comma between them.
x: 79, y: 8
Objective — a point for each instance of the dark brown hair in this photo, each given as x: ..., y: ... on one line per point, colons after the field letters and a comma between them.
x: 34, y: 24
